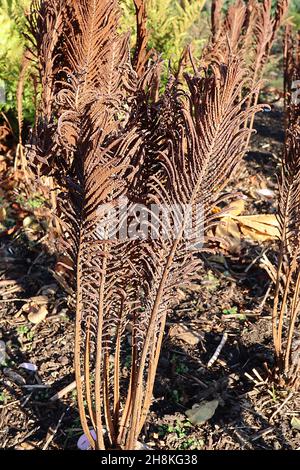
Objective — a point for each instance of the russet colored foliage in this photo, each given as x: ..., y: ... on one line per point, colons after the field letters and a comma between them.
x: 106, y: 131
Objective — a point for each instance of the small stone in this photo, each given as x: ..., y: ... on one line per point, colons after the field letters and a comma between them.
x: 64, y: 360
x: 14, y: 376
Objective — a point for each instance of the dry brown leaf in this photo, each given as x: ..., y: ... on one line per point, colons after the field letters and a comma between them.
x: 260, y: 227
x: 37, y: 314
x: 2, y: 214
x: 185, y: 334
x: 3, y: 164
x: 228, y: 231
x: 235, y: 207
x: 38, y: 300
x: 25, y: 446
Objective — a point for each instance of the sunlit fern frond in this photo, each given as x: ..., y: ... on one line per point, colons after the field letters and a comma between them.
x: 199, y: 140
x: 287, y: 291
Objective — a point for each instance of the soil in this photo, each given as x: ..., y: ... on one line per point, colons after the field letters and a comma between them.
x: 233, y: 296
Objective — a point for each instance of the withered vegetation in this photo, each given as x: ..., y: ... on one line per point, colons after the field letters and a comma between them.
x: 107, y: 131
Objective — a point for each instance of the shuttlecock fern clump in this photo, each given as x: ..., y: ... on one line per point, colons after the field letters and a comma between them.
x: 139, y: 170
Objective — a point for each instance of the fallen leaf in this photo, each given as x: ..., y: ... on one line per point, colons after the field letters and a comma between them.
x: 231, y: 228
x: 260, y: 227
x: 295, y: 423
x: 229, y: 234
x: 27, y: 221
x: 3, y: 166
x: 185, y: 334
x: 2, y: 214
x: 25, y: 446
x: 201, y: 413
x: 235, y: 207
x: 39, y: 300
x: 37, y: 314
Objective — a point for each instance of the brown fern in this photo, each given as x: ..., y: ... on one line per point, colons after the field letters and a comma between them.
x: 287, y: 291
x: 45, y: 26
x: 141, y: 54
x: 117, y: 146
x: 216, y: 17
x: 198, y: 157
x: 249, y: 28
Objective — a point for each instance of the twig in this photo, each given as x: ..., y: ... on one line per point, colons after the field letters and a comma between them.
x: 9, y: 404
x: 7, y: 282
x: 262, y: 304
x: 26, y: 400
x: 64, y: 391
x: 52, y: 433
x: 252, y: 379
x: 282, y: 405
x: 218, y: 351
x: 265, y: 250
x: 35, y: 386
x: 258, y: 375
x: 262, y: 433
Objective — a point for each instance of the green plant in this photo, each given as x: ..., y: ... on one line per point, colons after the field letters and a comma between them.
x: 180, y: 428
x: 12, y: 44
x: 230, y: 311
x: 295, y: 13
x: 4, y: 397
x: 171, y: 25
x: 180, y: 368
x: 25, y: 333
x: 36, y: 202
x: 191, y: 444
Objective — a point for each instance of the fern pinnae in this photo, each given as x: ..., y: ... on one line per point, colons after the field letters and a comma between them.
x: 208, y: 146
x: 286, y: 305
x: 118, y: 146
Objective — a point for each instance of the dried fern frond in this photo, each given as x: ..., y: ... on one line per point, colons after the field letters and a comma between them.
x: 100, y: 133
x: 287, y: 290
x: 45, y: 28
x: 118, y: 145
x: 291, y: 74
x: 141, y: 54
x: 200, y: 139
x: 250, y: 28
x: 45, y: 24
x: 216, y: 18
